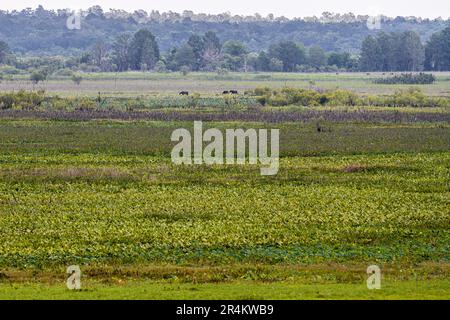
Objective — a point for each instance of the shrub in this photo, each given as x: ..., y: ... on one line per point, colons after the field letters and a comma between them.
x: 64, y: 72
x: 302, y: 97
x: 185, y: 70
x: 343, y: 98
x: 262, y: 91
x: 22, y: 99
x: 84, y: 104
x: 160, y: 66
x: 262, y: 100
x: 9, y: 70
x: 37, y: 76
x: 222, y: 72
x: 76, y: 78
x: 6, y: 101
x: 408, y: 78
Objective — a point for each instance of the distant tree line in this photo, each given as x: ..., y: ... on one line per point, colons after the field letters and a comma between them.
x: 405, y: 52
x: 387, y: 52
x: 43, y: 32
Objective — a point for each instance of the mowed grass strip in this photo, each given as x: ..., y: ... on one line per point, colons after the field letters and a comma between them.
x: 239, y: 290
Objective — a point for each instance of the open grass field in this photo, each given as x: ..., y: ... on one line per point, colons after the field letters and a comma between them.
x: 104, y: 195
x: 240, y: 290
x: 132, y: 84
x: 97, y: 188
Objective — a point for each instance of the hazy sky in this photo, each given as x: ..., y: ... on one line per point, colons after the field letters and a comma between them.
x: 288, y: 8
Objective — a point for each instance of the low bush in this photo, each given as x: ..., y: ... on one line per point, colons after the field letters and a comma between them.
x: 302, y: 97
x: 407, y: 78
x: 25, y: 100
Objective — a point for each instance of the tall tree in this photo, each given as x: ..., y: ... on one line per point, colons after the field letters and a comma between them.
x: 211, y: 41
x: 413, y: 53
x: 144, y: 51
x: 316, y: 57
x: 234, y: 48
x: 235, y: 55
x: 289, y: 53
x: 340, y: 60
x: 185, y: 57
x: 263, y: 62
x: 121, y: 52
x: 4, y: 50
x: 392, y: 52
x: 388, y: 48
x: 198, y: 46
x: 370, y: 59
x: 99, y: 53
x: 437, y: 51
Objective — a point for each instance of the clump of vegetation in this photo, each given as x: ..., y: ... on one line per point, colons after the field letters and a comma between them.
x: 185, y: 70
x: 10, y: 70
x: 160, y: 67
x: 38, y: 76
x: 287, y: 96
x: 76, y: 78
x: 26, y: 100
x: 408, y: 78
x: 414, y: 97
x: 63, y: 72
x: 303, y: 97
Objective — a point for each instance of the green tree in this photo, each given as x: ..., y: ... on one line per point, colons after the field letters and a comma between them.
x: 185, y: 56
x: 234, y: 48
x: 185, y: 70
x: 211, y: 41
x: 276, y: 65
x: 4, y: 51
x: 370, y: 59
x: 263, y: 62
x: 437, y: 51
x: 160, y: 66
x: 316, y: 57
x: 413, y: 53
x: 121, y: 52
x: 289, y: 53
x: 234, y: 55
x: 388, y: 47
x: 144, y: 50
x: 340, y: 60
x: 99, y: 54
x: 76, y: 78
x: 392, y: 52
x: 198, y: 46
x: 38, y: 76
x: 170, y: 59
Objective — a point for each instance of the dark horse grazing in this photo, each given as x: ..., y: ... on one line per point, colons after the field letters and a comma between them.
x: 226, y: 92
x: 184, y: 93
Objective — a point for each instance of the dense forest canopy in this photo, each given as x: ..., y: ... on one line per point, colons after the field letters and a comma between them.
x: 42, y: 42
x: 44, y: 32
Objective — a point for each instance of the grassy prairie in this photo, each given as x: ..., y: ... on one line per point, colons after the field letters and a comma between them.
x: 105, y: 195
x: 132, y: 84
x: 240, y: 290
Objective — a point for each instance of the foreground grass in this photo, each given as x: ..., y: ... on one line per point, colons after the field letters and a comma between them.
x: 87, y: 193
x: 239, y: 290
x: 105, y: 195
